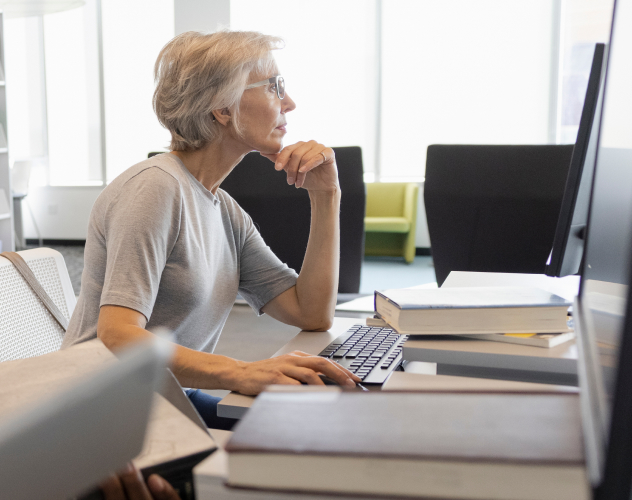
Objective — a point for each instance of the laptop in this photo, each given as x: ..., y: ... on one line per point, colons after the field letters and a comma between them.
x: 72, y: 440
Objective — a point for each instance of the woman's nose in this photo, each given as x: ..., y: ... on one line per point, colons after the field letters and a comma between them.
x: 288, y: 103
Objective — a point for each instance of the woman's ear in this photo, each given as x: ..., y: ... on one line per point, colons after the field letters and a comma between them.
x: 222, y: 116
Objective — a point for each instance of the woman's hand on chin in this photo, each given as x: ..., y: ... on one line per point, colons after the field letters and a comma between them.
x: 288, y: 369
x: 308, y: 165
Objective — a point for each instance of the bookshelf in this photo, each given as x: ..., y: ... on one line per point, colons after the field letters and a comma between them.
x: 6, y: 214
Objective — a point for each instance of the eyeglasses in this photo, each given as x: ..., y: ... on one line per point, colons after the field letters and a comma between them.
x: 277, y: 81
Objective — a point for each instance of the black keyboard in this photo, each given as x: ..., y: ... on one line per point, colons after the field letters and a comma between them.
x: 370, y: 352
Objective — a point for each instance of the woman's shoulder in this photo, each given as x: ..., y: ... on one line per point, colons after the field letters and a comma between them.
x: 153, y: 178
x: 232, y: 208
x: 160, y: 169
x: 151, y: 174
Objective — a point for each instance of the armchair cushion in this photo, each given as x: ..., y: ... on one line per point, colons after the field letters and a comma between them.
x: 386, y: 224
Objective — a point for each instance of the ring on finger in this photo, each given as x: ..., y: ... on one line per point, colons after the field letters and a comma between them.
x: 324, y: 157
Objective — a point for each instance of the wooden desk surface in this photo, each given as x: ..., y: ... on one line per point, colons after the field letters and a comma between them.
x: 460, y: 352
x: 234, y: 405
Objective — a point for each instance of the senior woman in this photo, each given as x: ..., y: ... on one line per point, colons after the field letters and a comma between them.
x: 166, y: 247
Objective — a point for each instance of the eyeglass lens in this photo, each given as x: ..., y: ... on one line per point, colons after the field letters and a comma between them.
x: 281, y: 88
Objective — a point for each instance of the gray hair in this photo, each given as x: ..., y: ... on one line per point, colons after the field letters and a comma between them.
x: 196, y: 73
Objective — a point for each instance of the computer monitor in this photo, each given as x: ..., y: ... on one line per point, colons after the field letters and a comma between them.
x: 603, y: 310
x: 568, y: 242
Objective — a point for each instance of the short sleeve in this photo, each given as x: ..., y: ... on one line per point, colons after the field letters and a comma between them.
x: 262, y: 276
x: 141, y: 226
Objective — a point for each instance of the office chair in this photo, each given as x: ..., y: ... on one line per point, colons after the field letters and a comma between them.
x: 493, y: 208
x: 27, y: 329
x: 282, y: 212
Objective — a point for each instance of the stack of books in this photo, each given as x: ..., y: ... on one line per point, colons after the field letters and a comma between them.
x: 519, y: 315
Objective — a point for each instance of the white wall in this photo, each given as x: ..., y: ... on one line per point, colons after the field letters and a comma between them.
x: 201, y: 15
x: 422, y: 238
x: 61, y: 212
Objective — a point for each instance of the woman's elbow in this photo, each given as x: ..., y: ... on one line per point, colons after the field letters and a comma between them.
x: 319, y: 323
x: 111, y: 336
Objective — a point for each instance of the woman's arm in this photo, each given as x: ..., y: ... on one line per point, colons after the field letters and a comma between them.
x: 120, y: 326
x: 310, y: 304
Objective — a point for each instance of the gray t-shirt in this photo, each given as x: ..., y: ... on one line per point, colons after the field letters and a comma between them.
x: 162, y: 244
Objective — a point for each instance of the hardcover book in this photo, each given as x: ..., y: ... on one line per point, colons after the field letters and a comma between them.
x: 438, y: 445
x: 472, y: 310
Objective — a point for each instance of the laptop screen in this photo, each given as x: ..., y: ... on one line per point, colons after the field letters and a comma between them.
x: 607, y: 259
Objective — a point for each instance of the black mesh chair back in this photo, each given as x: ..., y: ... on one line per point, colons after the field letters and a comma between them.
x: 493, y: 208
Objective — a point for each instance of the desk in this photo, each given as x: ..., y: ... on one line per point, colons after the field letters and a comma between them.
x: 235, y: 405
x: 512, y: 362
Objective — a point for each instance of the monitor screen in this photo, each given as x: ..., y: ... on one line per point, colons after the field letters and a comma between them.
x: 601, y: 314
x: 568, y: 242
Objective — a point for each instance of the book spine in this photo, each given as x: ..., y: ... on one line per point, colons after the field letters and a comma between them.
x: 387, y: 311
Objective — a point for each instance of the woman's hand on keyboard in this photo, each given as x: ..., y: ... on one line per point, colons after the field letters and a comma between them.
x: 294, y: 368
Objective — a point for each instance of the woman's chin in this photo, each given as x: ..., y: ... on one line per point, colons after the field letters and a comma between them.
x: 271, y: 149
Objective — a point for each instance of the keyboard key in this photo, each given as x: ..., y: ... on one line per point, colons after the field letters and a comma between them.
x: 340, y: 353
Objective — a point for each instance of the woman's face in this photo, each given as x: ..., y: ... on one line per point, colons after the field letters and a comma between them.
x: 262, y: 116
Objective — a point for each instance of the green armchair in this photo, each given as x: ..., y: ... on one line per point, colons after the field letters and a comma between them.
x: 391, y: 219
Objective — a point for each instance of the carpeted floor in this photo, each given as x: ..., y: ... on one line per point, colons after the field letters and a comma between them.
x: 382, y: 273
